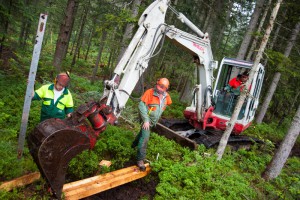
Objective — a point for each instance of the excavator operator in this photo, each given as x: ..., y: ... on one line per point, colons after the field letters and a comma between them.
x: 153, y: 102
x: 235, y: 85
x: 56, y: 97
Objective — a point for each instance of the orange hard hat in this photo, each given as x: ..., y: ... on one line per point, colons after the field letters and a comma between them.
x: 63, y: 79
x: 163, y: 81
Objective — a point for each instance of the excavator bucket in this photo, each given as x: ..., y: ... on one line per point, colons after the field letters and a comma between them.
x: 53, y: 144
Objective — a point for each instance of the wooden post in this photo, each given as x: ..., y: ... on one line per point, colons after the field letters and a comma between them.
x: 31, y: 78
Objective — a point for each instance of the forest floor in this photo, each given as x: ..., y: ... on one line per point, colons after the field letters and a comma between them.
x: 139, y: 189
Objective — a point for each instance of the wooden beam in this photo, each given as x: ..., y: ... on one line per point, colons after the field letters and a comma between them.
x: 170, y: 134
x: 21, y: 181
x: 100, y: 183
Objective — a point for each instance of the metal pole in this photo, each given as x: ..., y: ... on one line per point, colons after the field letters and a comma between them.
x: 31, y: 79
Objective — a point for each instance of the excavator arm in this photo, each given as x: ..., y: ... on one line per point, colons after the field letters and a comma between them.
x: 55, y: 142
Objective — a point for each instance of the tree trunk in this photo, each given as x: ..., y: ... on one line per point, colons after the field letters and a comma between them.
x: 268, y: 98
x: 129, y: 28
x: 101, y: 46
x: 261, y: 23
x: 219, y: 38
x: 5, y: 30
x: 89, y: 43
x: 290, y: 107
x: 292, y: 40
x: 214, y: 22
x: 179, y: 83
x: 251, y: 28
x: 85, y: 12
x: 282, y: 154
x: 74, y: 42
x: 276, y: 78
x: 185, y: 94
x: 274, y: 40
x: 64, y: 33
x: 237, y: 109
x: 208, y: 16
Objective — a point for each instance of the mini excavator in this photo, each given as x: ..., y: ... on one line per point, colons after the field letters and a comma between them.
x: 54, y: 142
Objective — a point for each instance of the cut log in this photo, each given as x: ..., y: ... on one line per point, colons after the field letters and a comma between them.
x: 21, y: 181
x: 96, y: 184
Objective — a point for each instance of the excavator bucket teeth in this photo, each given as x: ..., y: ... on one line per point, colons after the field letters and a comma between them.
x: 53, y: 144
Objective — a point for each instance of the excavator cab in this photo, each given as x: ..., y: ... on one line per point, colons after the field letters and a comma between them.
x: 225, y: 99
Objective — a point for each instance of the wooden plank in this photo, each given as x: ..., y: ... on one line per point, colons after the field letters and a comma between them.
x: 103, y: 177
x: 170, y: 134
x: 100, y: 183
x: 21, y: 181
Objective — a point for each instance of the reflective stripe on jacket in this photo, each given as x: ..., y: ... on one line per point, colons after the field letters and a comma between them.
x: 151, y: 106
x: 59, y: 109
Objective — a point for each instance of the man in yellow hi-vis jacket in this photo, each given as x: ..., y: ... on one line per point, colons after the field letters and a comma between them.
x: 57, y: 99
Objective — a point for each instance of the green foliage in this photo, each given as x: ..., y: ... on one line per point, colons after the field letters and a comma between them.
x: 267, y: 132
x: 113, y: 144
x: 175, y: 110
x: 15, y: 194
x: 278, y: 61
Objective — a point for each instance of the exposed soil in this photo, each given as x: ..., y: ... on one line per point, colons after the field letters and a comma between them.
x: 133, y: 191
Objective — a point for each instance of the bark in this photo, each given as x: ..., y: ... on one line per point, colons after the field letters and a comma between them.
x: 251, y: 28
x: 65, y: 33
x: 85, y: 12
x: 277, y: 75
x: 232, y: 121
x: 101, y: 46
x: 259, y: 29
x: 281, y: 155
x: 129, y: 28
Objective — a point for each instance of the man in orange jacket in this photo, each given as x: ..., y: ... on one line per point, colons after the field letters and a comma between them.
x: 153, y: 102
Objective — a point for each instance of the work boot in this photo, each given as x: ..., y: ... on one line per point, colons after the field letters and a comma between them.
x: 141, y: 165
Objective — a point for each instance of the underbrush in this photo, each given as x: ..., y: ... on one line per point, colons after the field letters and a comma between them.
x: 183, y: 174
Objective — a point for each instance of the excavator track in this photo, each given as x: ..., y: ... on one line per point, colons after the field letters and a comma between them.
x: 182, y: 132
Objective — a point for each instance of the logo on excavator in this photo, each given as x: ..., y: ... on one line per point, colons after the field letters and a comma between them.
x: 198, y: 47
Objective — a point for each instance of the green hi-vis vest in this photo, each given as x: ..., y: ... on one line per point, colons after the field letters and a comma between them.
x: 59, y: 109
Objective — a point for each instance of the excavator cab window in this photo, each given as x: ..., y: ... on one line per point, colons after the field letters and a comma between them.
x: 226, y: 100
